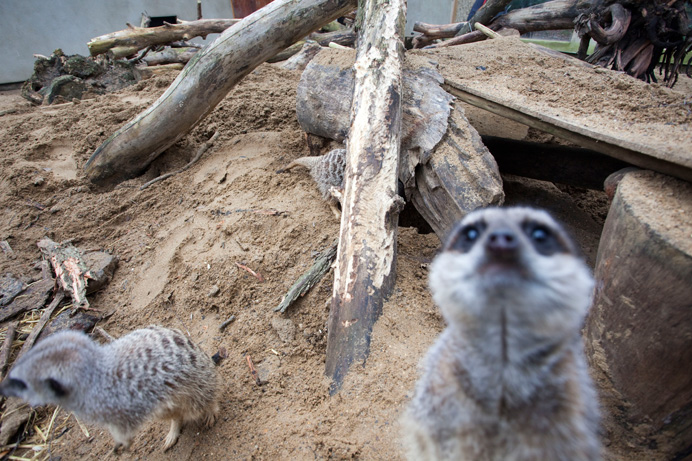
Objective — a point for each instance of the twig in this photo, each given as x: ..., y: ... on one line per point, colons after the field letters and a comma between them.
x: 253, y: 370
x: 486, y: 30
x: 45, y: 317
x: 7, y: 347
x: 202, y: 149
x: 308, y: 279
x: 250, y: 271
x: 230, y: 320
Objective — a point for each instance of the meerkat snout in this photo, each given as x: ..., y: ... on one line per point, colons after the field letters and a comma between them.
x: 507, y: 379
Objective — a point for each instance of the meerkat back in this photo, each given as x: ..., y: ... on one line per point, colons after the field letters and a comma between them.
x: 507, y: 378
x: 151, y: 373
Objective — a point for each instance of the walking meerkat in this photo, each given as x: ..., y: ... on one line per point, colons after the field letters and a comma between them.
x: 151, y: 373
x: 507, y: 379
x: 328, y: 172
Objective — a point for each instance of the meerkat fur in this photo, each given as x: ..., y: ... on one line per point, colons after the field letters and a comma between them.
x: 507, y: 378
x: 150, y: 373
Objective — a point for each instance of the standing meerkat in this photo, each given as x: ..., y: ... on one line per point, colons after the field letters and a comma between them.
x: 328, y: 172
x: 507, y: 379
x: 151, y: 373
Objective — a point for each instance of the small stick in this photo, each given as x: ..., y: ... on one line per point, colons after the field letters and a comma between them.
x: 253, y: 273
x: 308, y: 279
x: 230, y: 320
x: 45, y: 317
x: 7, y: 347
x: 253, y: 370
x: 202, y: 149
x: 487, y: 31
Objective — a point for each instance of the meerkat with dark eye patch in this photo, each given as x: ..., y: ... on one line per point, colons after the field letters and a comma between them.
x: 151, y: 373
x: 507, y: 379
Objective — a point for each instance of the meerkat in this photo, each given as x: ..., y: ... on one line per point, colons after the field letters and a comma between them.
x: 151, y: 373
x: 507, y: 379
x: 328, y: 172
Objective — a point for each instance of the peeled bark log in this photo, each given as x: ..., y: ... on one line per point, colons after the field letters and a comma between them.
x: 436, y: 140
x: 366, y: 258
x: 638, y: 333
x: 205, y: 82
x: 136, y: 38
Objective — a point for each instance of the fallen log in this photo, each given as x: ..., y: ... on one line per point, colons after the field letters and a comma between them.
x: 433, y: 130
x: 638, y: 333
x: 484, y: 15
x: 128, y: 41
x: 366, y: 259
x: 170, y: 56
x: 205, y: 82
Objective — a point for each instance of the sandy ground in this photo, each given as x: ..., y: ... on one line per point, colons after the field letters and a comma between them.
x: 179, y: 239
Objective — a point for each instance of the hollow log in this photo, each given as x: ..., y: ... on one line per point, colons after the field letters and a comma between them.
x: 366, y: 259
x: 205, y: 82
x: 638, y: 333
x: 428, y: 136
x: 133, y: 39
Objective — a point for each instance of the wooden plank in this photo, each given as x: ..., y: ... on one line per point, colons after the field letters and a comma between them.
x: 635, y: 154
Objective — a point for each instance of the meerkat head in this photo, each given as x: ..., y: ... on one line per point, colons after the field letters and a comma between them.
x: 518, y: 259
x: 50, y: 372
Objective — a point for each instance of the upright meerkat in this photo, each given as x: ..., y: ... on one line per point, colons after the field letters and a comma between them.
x: 151, y: 373
x: 507, y: 379
x: 328, y: 172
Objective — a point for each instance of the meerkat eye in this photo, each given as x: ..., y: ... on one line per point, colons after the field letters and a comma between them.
x: 464, y: 239
x: 16, y: 384
x: 56, y: 387
x: 544, y: 239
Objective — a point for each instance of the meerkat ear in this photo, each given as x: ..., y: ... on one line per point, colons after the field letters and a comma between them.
x: 57, y: 387
x: 12, y: 387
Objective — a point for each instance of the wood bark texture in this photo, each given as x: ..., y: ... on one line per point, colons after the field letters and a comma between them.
x: 323, y: 99
x: 638, y: 333
x: 205, y: 82
x: 136, y: 38
x: 366, y: 258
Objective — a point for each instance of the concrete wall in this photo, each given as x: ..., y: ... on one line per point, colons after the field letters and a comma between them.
x: 29, y: 27
x: 40, y: 26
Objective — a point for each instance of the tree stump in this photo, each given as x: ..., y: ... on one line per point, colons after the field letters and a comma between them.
x: 639, y: 333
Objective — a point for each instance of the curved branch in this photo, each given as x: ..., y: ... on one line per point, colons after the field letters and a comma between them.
x: 620, y: 21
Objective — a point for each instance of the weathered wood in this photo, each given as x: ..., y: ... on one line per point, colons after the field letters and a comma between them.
x: 366, y: 259
x: 6, y: 349
x: 438, y: 30
x: 71, y: 272
x: 588, y: 138
x: 573, y: 166
x: 308, y: 279
x: 38, y: 328
x: 33, y: 297
x: 148, y: 72
x: 553, y: 15
x: 485, y: 14
x: 323, y: 99
x: 639, y: 334
x: 170, y: 56
x: 132, y: 39
x: 300, y: 60
x: 205, y: 82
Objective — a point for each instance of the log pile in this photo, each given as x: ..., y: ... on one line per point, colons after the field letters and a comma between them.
x: 631, y: 36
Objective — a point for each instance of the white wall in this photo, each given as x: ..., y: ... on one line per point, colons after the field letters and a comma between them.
x: 41, y: 26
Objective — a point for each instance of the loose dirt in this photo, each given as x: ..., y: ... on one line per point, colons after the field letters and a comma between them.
x: 180, y: 238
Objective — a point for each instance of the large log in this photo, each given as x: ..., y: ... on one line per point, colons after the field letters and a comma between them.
x: 366, y: 258
x: 639, y: 334
x: 553, y: 15
x: 435, y: 136
x: 128, y: 41
x: 205, y: 82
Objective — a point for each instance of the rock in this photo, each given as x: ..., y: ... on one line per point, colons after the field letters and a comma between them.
x: 285, y: 328
x: 268, y: 368
x: 102, y: 266
x: 639, y: 333
x: 214, y: 291
x: 67, y: 87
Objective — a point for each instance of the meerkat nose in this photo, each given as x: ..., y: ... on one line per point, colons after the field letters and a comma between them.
x: 502, y: 242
